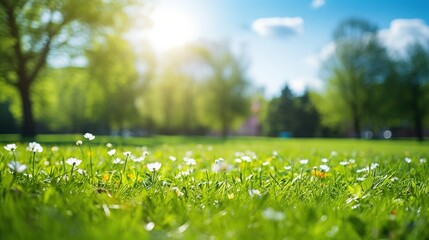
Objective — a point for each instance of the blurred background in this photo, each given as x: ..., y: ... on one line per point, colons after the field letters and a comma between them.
x: 311, y: 68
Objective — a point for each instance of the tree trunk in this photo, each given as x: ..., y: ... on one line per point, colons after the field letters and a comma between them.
x: 417, y: 114
x: 356, y: 122
x: 28, y: 128
x: 418, y: 126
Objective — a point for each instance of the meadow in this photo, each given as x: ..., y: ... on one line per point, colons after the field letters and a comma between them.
x: 97, y: 187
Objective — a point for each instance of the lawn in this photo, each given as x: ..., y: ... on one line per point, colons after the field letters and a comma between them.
x: 72, y: 187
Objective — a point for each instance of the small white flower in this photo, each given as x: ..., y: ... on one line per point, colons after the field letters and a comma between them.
x: 324, y: 160
x: 303, y: 161
x: 219, y: 160
x: 254, y: 193
x: 79, y: 142
x: 288, y: 168
x: 89, y: 136
x: 422, y: 160
x: 355, y: 206
x: 17, y: 167
x: 55, y: 149
x: 183, y: 173
x: 177, y: 191
x: 111, y: 152
x: 324, y: 168
x: 154, y: 166
x: 271, y: 214
x: 246, y: 158
x: 190, y: 161
x: 265, y: 163
x: 73, y: 161
x: 334, y: 153
x: 344, y: 163
x: 408, y: 160
x: 109, y: 145
x: 363, y: 170
x: 34, y: 147
x: 237, y: 160
x: 351, y: 161
x: 118, y: 161
x: 138, y: 159
x: 81, y: 171
x: 374, y: 165
x: 172, y: 158
x: 221, y: 167
x: 11, y: 147
x: 149, y: 227
x: 360, y: 179
x: 127, y: 154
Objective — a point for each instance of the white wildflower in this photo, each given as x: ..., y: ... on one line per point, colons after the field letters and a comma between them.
x: 153, y: 167
x: 190, y: 161
x: 303, y: 161
x: 17, y: 167
x: 11, y: 147
x: 118, y: 161
x: 34, y: 147
x: 254, y: 193
x: 324, y: 168
x: 111, y: 152
x: 73, y: 161
x: 89, y: 136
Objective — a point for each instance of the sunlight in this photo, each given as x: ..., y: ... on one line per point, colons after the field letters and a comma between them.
x: 171, y: 29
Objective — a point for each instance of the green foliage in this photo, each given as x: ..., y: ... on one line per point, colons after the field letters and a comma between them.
x: 353, y: 76
x: 410, y: 78
x: 33, y: 31
x: 112, y: 68
x: 198, y: 88
x: 371, y: 190
x: 293, y: 114
x: 227, y: 93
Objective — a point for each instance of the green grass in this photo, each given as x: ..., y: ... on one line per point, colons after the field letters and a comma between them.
x: 273, y: 196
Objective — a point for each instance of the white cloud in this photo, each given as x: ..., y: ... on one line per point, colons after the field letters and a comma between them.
x: 396, y: 38
x: 317, y: 3
x: 299, y: 84
x: 403, y: 32
x: 278, y: 26
x: 314, y: 61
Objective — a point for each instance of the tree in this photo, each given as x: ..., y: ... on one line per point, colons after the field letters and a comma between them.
x: 354, y: 72
x: 33, y: 30
x: 410, y: 80
x: 294, y: 114
x: 112, y: 65
x: 226, y: 89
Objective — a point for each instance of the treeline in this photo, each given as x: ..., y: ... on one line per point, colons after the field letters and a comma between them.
x: 370, y: 91
x: 199, y: 89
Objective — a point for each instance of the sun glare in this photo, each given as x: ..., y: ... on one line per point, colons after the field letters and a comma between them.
x: 171, y: 29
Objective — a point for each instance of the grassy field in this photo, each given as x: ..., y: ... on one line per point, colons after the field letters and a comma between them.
x: 207, y: 188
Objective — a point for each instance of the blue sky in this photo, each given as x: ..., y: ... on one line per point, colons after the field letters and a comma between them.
x: 285, y: 41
